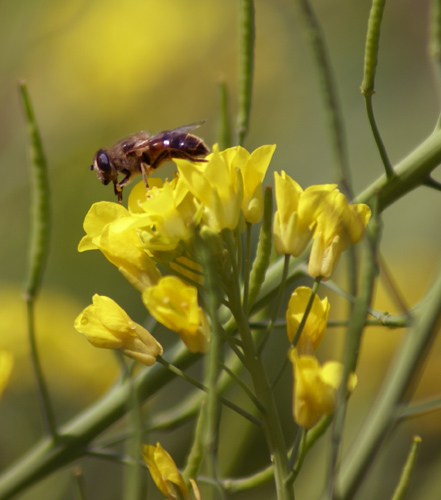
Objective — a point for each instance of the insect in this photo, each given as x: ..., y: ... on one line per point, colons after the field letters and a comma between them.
x: 142, y: 153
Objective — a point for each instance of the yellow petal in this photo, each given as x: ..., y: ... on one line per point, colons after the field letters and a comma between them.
x: 315, y: 326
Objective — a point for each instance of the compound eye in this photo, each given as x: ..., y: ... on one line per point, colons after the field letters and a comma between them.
x: 103, y: 162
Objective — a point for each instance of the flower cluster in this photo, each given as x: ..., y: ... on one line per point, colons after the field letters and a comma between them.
x: 179, y: 244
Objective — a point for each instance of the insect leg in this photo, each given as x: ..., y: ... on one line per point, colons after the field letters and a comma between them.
x: 145, y: 170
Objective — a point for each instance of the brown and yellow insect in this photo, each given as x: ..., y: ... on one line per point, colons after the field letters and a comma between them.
x: 142, y: 153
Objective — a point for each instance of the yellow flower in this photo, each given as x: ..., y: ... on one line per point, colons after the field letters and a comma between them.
x: 105, y: 324
x: 6, y: 364
x: 164, y: 473
x: 315, y: 387
x: 296, y: 210
x: 110, y: 228
x: 175, y: 305
x: 315, y: 326
x: 169, y: 217
x: 253, y: 168
x: 218, y: 187
x: 338, y: 226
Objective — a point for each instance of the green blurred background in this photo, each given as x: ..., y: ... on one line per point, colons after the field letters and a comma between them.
x: 99, y: 70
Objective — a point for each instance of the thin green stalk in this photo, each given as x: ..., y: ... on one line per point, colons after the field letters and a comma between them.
x: 435, y: 41
x: 370, y: 67
x: 39, y: 249
x: 312, y: 437
x: 74, y: 437
x: 353, y: 339
x: 245, y: 388
x: 398, y: 385
x: 134, y: 483
x: 196, y: 455
x: 247, y: 266
x: 202, y: 387
x: 410, y: 173
x: 79, y: 486
x: 271, y: 421
x: 266, y: 475
x: 406, y: 473
x: 246, y: 67
x: 372, y: 46
x: 210, y: 434
x: 330, y: 97
x: 277, y: 304
x: 418, y: 409
x: 263, y: 251
x: 224, y: 133
x: 378, y: 140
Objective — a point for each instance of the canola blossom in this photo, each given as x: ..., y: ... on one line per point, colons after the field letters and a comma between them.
x: 109, y: 228
x: 338, y: 226
x: 180, y: 244
x: 105, y: 324
x: 315, y: 326
x: 175, y: 305
x: 315, y: 387
x: 164, y: 472
x: 294, y: 219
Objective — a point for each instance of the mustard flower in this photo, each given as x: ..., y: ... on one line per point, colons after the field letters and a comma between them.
x: 218, y: 187
x: 295, y: 214
x: 315, y: 387
x: 112, y: 229
x: 338, y: 225
x: 175, y: 305
x: 315, y: 326
x: 169, y: 217
x: 6, y: 364
x: 164, y: 473
x: 105, y: 324
x: 253, y: 168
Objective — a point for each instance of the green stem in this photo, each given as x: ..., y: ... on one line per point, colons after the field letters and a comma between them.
x: 224, y: 133
x: 247, y: 266
x: 134, y: 477
x: 372, y: 46
x: 353, y: 338
x: 263, y: 251
x: 277, y: 304
x: 410, y: 173
x: 378, y: 141
x: 39, y: 249
x: 246, y: 67
x: 271, y: 422
x: 174, y: 369
x: 330, y: 98
x: 406, y: 473
x: 73, y: 438
x: 399, y: 385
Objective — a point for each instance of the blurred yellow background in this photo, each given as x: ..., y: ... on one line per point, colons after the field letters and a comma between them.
x: 99, y: 70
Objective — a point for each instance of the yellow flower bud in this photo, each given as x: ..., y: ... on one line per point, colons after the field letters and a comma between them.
x: 295, y: 215
x: 164, y: 473
x: 105, y: 324
x: 315, y: 387
x: 315, y: 326
x: 338, y: 226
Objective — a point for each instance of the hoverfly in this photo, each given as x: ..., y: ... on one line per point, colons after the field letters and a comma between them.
x: 142, y: 153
